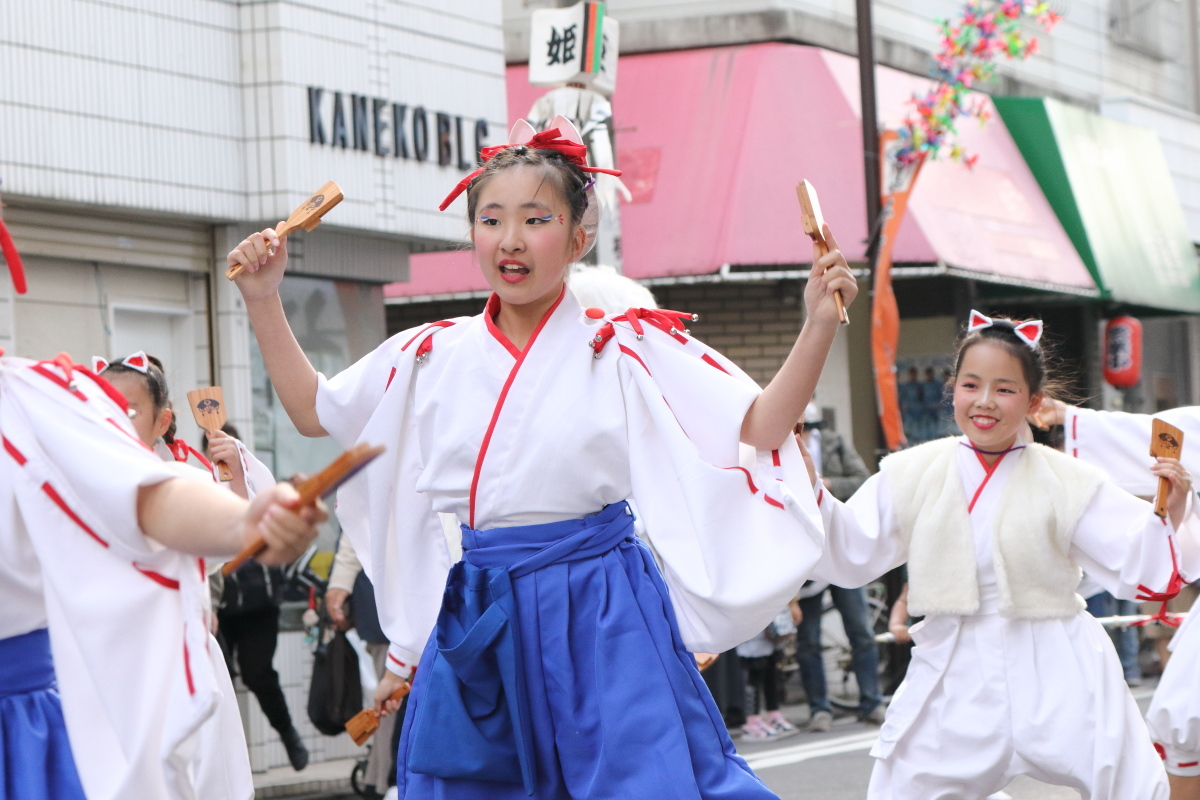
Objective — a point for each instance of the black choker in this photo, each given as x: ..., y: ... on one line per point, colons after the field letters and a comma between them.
x: 992, y: 452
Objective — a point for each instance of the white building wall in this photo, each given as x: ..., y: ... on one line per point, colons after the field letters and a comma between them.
x: 199, y: 107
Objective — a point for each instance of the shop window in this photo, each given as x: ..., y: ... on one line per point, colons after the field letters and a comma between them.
x: 336, y: 323
x: 1152, y: 27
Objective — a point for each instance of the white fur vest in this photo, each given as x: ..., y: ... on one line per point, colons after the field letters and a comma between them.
x: 1031, y: 536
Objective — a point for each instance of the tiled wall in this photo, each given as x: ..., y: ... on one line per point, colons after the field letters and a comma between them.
x: 200, y: 107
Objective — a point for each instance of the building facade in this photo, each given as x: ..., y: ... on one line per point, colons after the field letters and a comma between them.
x: 145, y: 138
x: 1133, y: 62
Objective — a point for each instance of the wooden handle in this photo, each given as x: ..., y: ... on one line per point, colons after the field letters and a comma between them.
x: 362, y: 726
x: 224, y: 471
x: 313, y: 489
x: 1160, y: 497
x: 838, y: 300
x: 1166, y: 441
x: 238, y: 269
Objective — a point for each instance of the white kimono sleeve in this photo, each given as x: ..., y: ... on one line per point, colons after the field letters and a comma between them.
x: 1119, y: 443
x: 1129, y: 551
x: 861, y: 540
x: 1174, y: 714
x: 392, y: 527
x: 736, y: 531
x: 347, y: 401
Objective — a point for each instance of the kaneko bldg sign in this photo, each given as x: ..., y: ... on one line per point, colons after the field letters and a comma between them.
x: 393, y: 130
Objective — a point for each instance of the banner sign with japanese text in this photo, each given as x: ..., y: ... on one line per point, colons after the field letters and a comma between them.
x: 576, y: 45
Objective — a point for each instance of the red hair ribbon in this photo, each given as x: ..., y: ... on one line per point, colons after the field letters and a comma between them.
x: 15, y: 268
x: 546, y: 140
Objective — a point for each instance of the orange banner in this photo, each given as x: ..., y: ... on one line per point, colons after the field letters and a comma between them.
x: 885, y: 314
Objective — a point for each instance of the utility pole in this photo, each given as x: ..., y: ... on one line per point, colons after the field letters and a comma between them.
x: 870, y: 124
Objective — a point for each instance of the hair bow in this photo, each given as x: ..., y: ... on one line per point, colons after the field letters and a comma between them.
x: 567, y: 142
x: 1029, y: 332
x: 138, y: 361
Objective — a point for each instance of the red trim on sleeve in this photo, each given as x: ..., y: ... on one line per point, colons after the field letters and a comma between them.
x: 636, y: 358
x: 772, y: 501
x: 445, y: 323
x: 391, y: 377
x: 187, y: 668
x: 1075, y: 427
x: 58, y: 501
x: 398, y: 661
x: 1188, y: 764
x: 107, y: 388
x: 157, y: 577
x: 512, y: 374
x: 712, y: 362
x: 57, y: 380
x: 15, y: 453
x: 749, y: 480
x: 489, y: 313
x: 775, y: 458
x: 820, y: 496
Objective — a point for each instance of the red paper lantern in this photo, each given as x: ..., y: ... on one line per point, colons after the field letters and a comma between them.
x: 1123, y: 352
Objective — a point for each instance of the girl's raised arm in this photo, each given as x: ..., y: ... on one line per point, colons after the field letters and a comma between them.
x: 263, y: 256
x: 770, y: 419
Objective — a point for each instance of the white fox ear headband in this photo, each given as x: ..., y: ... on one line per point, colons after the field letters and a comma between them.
x: 139, y: 361
x: 562, y: 137
x: 1029, y: 332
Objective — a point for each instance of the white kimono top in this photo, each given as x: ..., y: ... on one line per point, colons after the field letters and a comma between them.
x: 137, y: 671
x: 500, y: 437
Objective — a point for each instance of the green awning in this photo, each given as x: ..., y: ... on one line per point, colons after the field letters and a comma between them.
x: 1109, y: 185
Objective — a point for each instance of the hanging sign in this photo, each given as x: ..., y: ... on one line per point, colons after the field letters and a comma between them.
x: 576, y: 45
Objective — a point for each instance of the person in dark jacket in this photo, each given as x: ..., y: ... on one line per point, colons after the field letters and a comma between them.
x: 248, y: 628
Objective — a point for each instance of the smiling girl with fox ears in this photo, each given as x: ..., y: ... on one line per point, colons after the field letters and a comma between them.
x: 1010, y: 675
x: 626, y: 496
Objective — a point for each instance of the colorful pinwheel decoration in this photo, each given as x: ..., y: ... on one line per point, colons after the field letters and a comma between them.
x: 970, y: 44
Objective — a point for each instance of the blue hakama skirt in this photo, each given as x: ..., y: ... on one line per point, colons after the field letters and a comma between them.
x: 35, y: 755
x: 556, y: 670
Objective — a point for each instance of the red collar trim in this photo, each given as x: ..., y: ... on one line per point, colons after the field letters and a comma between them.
x: 489, y: 319
x: 512, y: 374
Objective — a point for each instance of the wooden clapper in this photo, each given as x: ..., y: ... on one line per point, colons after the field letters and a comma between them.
x: 362, y: 726
x: 814, y: 226
x: 208, y: 407
x: 1166, y: 441
x: 321, y: 485
x: 307, y: 216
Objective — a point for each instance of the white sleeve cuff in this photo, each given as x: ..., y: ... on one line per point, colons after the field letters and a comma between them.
x: 400, y: 661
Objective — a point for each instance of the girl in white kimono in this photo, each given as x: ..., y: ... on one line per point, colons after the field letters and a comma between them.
x: 102, y: 549
x: 1117, y: 442
x: 611, y: 521
x: 1009, y: 675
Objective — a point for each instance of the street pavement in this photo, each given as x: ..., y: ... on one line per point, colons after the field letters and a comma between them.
x: 836, y: 765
